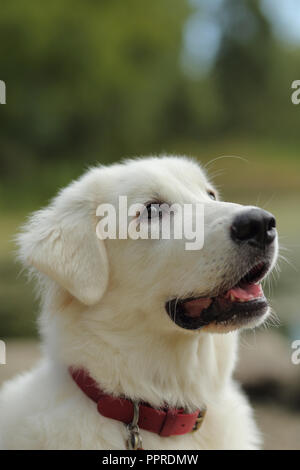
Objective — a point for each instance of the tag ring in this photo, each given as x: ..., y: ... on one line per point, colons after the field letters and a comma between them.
x: 134, y: 441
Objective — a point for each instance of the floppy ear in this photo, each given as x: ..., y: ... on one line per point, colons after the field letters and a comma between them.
x: 62, y: 243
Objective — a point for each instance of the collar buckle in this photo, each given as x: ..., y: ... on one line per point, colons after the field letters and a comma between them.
x: 199, y: 420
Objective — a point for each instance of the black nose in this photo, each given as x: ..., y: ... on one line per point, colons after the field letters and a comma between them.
x: 255, y: 227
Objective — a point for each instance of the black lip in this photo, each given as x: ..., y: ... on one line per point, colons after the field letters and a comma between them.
x: 234, y: 313
x: 257, y: 273
x: 222, y: 310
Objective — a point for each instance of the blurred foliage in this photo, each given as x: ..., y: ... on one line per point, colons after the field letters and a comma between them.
x: 96, y: 81
x: 86, y: 78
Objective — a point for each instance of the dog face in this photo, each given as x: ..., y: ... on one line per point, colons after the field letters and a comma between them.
x: 156, y: 283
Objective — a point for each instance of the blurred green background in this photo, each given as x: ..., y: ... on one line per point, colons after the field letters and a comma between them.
x: 95, y: 81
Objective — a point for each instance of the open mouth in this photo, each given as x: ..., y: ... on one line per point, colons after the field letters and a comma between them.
x: 234, y: 308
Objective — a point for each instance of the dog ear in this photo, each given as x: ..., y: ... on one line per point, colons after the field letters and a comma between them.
x: 61, y: 242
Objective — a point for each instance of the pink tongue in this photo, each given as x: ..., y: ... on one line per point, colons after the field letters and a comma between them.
x: 194, y: 308
x: 247, y: 292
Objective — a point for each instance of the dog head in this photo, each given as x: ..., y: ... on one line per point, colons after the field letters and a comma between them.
x: 156, y: 282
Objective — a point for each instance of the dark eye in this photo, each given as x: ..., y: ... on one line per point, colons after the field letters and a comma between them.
x: 212, y: 195
x: 153, y: 210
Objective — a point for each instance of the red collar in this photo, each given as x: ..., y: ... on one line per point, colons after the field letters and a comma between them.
x: 165, y: 422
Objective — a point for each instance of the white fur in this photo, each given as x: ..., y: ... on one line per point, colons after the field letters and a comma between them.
x: 103, y: 309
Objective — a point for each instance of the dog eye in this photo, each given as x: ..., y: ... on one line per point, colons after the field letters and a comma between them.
x: 212, y: 195
x: 153, y: 210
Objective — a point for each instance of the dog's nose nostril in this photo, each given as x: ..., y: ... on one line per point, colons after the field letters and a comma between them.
x: 255, y: 227
x: 272, y: 223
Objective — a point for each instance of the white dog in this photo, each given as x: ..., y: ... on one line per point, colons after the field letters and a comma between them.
x: 136, y: 321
